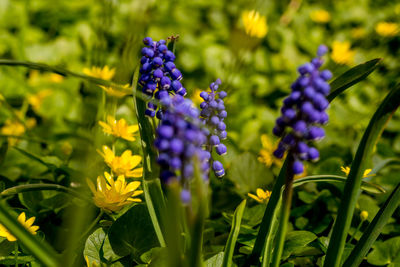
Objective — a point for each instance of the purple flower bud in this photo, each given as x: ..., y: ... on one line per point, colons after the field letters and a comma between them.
x: 157, y: 62
x: 176, y: 74
x: 147, y: 52
x: 176, y: 146
x: 158, y: 74
x: 221, y: 149
x: 214, y: 120
x: 322, y: 50
x: 146, y: 67
x: 165, y: 131
x: 320, y: 102
x: 147, y: 41
x: 144, y: 60
x: 222, y: 114
x: 222, y: 94
x: 324, y: 118
x: 289, y: 140
x: 300, y: 127
x: 289, y: 114
x: 176, y: 85
x: 279, y: 152
x: 185, y: 195
x: 163, y: 49
x: 309, y: 92
x: 221, y: 126
x: 278, y: 131
x: 218, y: 168
x: 298, y: 167
x: 166, y: 176
x: 169, y: 66
x: 302, y: 148
x: 223, y: 135
x: 214, y: 140
x: 165, y: 82
x: 169, y: 56
x: 213, y: 104
x: 326, y: 75
x: 306, y: 68
x: 316, y: 133
x: 281, y: 122
x: 204, y: 95
x: 175, y: 163
x: 149, y: 113
x: 313, y: 154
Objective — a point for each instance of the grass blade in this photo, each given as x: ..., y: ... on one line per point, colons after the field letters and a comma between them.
x: 353, y: 183
x: 233, y: 235
x: 366, y: 186
x: 154, y: 196
x: 352, y: 76
x: 39, y: 249
x: 374, y: 229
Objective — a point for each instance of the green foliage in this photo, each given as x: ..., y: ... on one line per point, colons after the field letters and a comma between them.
x: 386, y: 253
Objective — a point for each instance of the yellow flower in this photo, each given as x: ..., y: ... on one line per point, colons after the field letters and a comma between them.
x: 119, y: 128
x: 255, y: 25
x: 37, y: 99
x: 364, y: 215
x: 91, y: 264
x: 341, y: 52
x: 320, y: 16
x: 266, y: 151
x: 367, y: 172
x: 28, y: 224
x: 124, y: 164
x: 56, y: 78
x: 358, y: 33
x: 387, y: 29
x: 13, y: 128
x: 104, y: 73
x: 262, y: 196
x: 112, y: 195
x: 196, y: 97
x: 117, y: 92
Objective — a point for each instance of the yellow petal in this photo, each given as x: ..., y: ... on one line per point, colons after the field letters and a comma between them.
x: 254, y: 197
x: 22, y: 217
x: 260, y: 193
x: 29, y: 222
x: 136, y: 173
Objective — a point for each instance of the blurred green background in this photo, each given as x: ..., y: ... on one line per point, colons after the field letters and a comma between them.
x: 60, y: 114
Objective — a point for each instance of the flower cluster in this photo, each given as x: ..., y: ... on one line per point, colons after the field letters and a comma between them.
x: 158, y: 74
x: 213, y: 114
x: 180, y: 138
x: 302, y: 112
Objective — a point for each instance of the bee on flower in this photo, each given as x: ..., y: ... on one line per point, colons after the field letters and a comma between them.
x: 320, y: 16
x: 387, y: 29
x: 28, y: 224
x: 341, y: 53
x: 104, y: 73
x: 117, y: 92
x: 122, y: 165
x: 262, y: 196
x: 255, y: 25
x: 367, y: 172
x: 112, y: 195
x: 119, y: 128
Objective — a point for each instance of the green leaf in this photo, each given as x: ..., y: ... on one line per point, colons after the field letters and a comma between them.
x: 387, y: 252
x: 374, y: 229
x: 155, y: 257
x: 10, y: 260
x: 133, y: 232
x: 248, y: 174
x: 295, y: 241
x: 354, y: 179
x: 233, y: 235
x: 352, y: 76
x: 215, y: 261
x: 153, y: 193
x: 93, y: 245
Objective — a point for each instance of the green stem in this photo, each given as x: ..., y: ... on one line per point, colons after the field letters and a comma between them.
x: 39, y: 187
x: 355, y: 232
x: 285, y: 213
x: 16, y: 250
x: 92, y: 225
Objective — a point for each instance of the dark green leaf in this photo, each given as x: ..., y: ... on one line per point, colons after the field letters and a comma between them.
x: 133, y: 232
x: 295, y: 241
x: 352, y: 76
x: 92, y: 251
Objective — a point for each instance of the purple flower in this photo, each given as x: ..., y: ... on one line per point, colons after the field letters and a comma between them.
x: 302, y: 113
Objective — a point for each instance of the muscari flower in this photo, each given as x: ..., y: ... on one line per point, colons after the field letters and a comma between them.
x: 341, y: 53
x: 213, y: 114
x: 387, y: 29
x: 367, y: 172
x: 303, y: 112
x: 112, y: 195
x: 255, y: 25
x: 28, y: 224
x: 119, y: 128
x: 180, y: 137
x: 104, y: 73
x: 320, y: 16
x: 262, y: 196
x: 158, y: 74
x: 122, y: 165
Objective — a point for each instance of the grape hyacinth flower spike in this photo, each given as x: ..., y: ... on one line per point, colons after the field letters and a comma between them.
x: 158, y: 74
x: 303, y: 112
x: 180, y: 138
x: 213, y: 114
